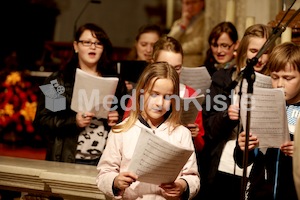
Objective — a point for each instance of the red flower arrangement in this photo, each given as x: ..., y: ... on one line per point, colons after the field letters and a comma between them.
x: 18, y: 102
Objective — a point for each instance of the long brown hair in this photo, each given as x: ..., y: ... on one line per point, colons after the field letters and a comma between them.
x: 257, y: 30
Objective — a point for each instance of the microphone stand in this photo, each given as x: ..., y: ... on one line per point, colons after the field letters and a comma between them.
x: 81, y: 12
x: 249, y: 74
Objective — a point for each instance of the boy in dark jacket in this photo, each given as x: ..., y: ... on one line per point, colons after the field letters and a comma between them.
x: 271, y: 176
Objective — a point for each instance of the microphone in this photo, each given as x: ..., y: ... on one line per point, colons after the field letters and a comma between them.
x: 277, y: 31
x: 248, y: 73
x: 83, y: 9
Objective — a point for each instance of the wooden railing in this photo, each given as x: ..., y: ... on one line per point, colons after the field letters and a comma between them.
x: 46, y: 178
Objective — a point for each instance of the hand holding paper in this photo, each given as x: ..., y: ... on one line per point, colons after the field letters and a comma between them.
x: 268, y: 116
x: 156, y: 161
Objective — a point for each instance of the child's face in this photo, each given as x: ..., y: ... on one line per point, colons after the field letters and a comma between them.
x: 144, y: 46
x: 174, y: 59
x: 88, y: 56
x: 156, y: 103
x: 289, y: 80
x: 255, y: 44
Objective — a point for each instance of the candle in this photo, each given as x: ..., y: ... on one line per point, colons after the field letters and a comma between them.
x: 169, y: 11
x: 284, y: 5
x: 286, y: 36
x: 230, y: 11
x: 118, y: 67
x: 249, y: 21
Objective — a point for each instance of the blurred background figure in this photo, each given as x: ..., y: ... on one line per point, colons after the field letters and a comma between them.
x: 144, y: 40
x: 141, y: 52
x: 189, y: 31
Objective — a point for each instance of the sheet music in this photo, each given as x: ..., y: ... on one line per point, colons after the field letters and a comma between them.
x: 261, y: 81
x: 190, y: 107
x: 93, y: 94
x: 268, y: 116
x: 156, y: 161
x: 197, y: 78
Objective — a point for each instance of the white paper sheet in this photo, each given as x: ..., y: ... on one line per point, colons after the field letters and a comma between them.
x: 190, y: 107
x: 156, y: 161
x: 268, y: 119
x: 196, y: 77
x: 93, y: 93
x: 261, y: 81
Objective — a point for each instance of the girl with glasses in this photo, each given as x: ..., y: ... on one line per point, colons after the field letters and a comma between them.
x: 80, y: 137
x: 221, y: 121
x: 223, y: 41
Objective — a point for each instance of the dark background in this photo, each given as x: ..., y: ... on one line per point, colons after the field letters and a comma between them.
x: 26, y: 24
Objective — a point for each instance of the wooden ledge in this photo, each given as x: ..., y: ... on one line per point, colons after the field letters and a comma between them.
x: 67, y: 180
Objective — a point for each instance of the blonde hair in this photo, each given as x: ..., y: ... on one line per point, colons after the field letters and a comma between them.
x: 283, y: 54
x: 257, y: 30
x: 153, y: 72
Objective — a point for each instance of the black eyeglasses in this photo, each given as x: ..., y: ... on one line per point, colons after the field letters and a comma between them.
x: 87, y: 43
x: 223, y: 46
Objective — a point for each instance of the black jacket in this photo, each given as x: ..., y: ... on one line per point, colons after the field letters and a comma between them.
x: 265, y: 165
x: 261, y: 188
x: 59, y: 128
x: 218, y: 127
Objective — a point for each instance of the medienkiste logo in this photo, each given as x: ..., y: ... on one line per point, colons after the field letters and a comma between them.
x: 54, y: 101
